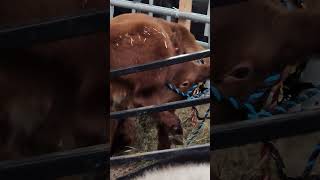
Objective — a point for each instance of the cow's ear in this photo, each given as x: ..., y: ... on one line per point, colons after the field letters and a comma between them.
x: 183, y: 40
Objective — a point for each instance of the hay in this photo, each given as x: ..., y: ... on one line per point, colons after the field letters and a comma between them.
x: 147, y: 138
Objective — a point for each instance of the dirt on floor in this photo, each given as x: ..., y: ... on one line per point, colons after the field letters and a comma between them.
x: 242, y: 163
x: 147, y: 139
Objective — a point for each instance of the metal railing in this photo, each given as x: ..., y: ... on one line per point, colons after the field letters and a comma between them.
x: 168, y: 12
x: 77, y: 161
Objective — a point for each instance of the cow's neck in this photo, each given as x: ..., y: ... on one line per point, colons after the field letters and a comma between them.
x: 304, y: 31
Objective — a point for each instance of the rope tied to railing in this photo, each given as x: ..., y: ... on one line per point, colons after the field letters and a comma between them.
x: 195, y: 91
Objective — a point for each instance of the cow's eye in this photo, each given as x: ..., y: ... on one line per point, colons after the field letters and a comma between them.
x: 200, y: 61
x: 185, y: 84
x: 241, y: 73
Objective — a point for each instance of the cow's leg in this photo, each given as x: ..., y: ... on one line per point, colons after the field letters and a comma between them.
x: 124, y: 135
x: 128, y: 130
x: 169, y: 123
x: 163, y: 137
x: 90, y: 128
x: 113, y: 126
x: 10, y: 147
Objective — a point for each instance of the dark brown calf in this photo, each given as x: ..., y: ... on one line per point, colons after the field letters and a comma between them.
x: 53, y: 94
x: 254, y: 39
x: 138, y: 39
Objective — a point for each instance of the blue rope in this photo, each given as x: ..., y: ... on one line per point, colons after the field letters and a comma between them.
x: 311, y: 161
x: 255, y: 96
x: 201, y: 125
x: 272, y: 79
x: 234, y: 102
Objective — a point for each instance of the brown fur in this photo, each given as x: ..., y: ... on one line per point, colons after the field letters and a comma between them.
x: 138, y: 39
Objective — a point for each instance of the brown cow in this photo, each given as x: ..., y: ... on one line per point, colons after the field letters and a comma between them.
x: 53, y: 94
x: 254, y: 39
x: 138, y: 39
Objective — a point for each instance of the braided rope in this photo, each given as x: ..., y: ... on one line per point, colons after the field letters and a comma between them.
x: 194, y: 133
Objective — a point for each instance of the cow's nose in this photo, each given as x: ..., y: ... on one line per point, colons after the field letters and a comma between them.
x: 217, y: 81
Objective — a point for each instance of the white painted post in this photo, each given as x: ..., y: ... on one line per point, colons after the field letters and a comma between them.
x: 185, y: 6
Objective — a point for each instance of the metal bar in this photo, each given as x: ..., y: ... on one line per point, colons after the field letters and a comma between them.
x: 54, y: 30
x: 265, y: 129
x: 111, y: 11
x: 161, y: 154
x: 204, y: 44
x: 161, y: 10
x: 160, y: 63
x: 207, y: 27
x: 78, y: 161
x: 159, y: 108
x: 168, y: 18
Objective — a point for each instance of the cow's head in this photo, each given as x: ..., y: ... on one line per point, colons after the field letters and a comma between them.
x: 255, y: 39
x: 185, y: 74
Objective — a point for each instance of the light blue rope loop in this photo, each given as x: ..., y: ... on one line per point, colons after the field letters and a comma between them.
x: 271, y: 80
x: 264, y: 113
x: 216, y: 93
x: 255, y: 96
x: 234, y: 102
x: 280, y: 109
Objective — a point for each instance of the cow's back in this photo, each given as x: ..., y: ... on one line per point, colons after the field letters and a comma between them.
x: 137, y: 39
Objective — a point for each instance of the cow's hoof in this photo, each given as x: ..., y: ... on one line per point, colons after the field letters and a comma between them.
x: 177, y: 130
x: 176, y: 139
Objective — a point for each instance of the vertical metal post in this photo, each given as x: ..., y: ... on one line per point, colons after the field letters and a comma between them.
x: 207, y: 27
x: 168, y: 18
x: 111, y: 11
x: 151, y: 3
